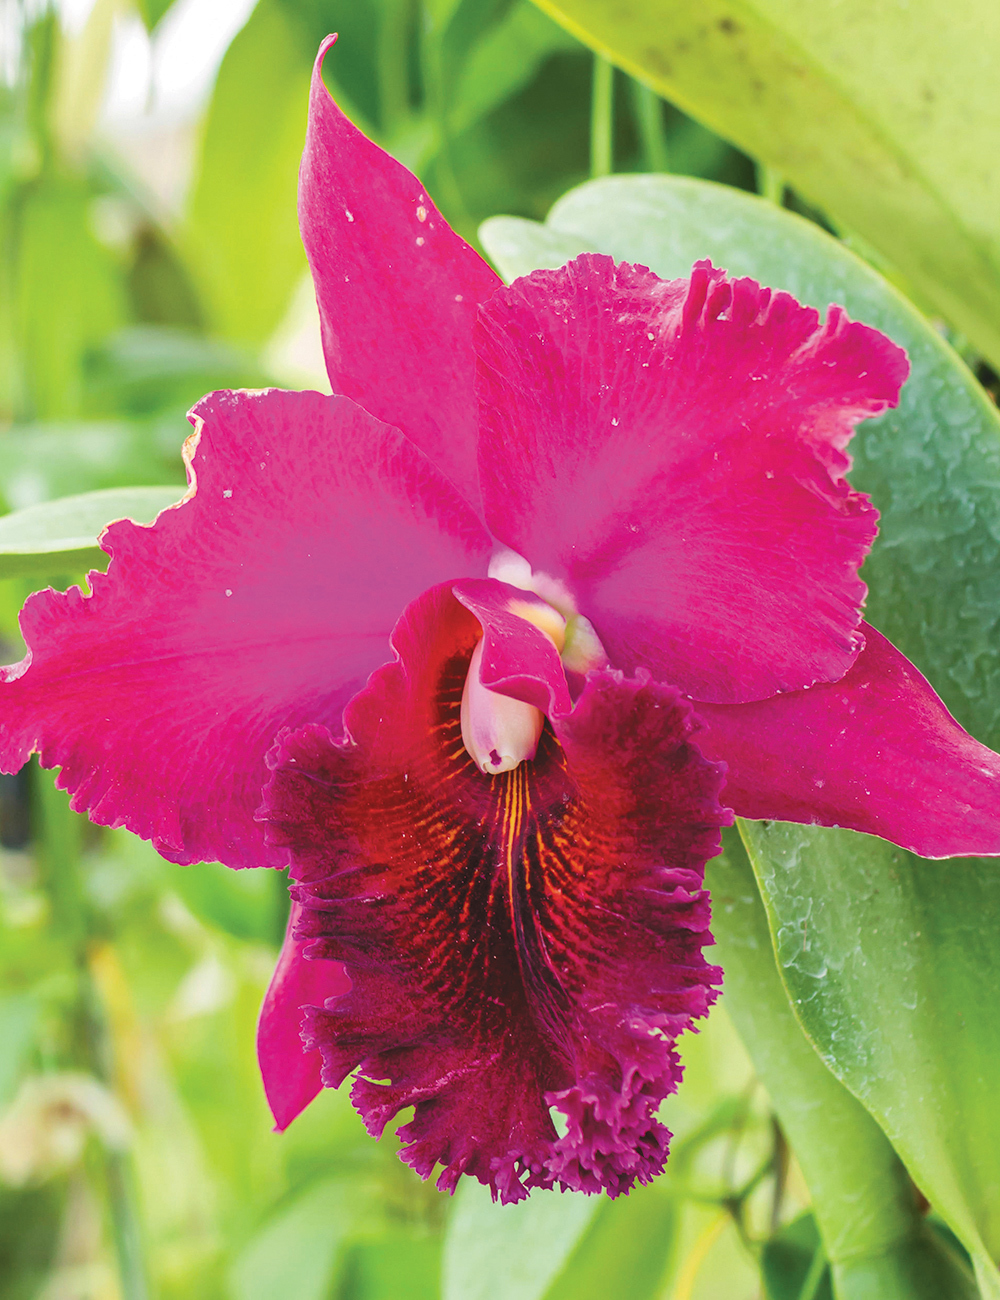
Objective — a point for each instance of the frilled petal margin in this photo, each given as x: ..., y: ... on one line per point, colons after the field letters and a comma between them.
x: 373, y: 236
x: 674, y: 452
x: 263, y: 600
x: 875, y: 752
x: 291, y: 1074
x: 520, y: 946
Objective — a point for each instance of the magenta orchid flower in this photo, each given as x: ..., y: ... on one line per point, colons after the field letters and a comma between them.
x: 473, y: 645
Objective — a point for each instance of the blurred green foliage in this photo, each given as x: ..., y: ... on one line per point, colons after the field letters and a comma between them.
x: 143, y: 979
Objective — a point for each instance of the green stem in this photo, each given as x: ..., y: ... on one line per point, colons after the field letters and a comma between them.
x: 602, y: 117
x: 814, y: 1277
x: 59, y: 842
x: 771, y: 185
x: 436, y: 103
x: 393, y: 64
x: 871, y: 1228
x: 648, y: 107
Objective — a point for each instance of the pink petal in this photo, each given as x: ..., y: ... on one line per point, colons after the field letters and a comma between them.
x: 291, y: 1072
x: 397, y: 289
x: 516, y: 943
x: 875, y: 752
x: 262, y: 601
x: 674, y: 452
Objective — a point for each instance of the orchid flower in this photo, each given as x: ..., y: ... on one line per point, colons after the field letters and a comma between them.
x: 487, y: 646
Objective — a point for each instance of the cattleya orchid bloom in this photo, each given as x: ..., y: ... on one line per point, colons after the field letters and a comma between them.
x: 473, y: 645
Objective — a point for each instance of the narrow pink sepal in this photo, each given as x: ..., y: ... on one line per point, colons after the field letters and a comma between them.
x: 876, y: 752
x: 674, y: 453
x: 264, y: 600
x: 290, y: 1072
x: 397, y: 288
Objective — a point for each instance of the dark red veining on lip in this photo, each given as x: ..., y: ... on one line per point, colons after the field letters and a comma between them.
x: 515, y: 942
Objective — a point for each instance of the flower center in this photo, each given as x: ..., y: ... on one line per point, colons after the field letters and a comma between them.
x: 498, y: 731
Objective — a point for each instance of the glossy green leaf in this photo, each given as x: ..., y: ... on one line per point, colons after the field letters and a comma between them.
x: 881, y: 114
x: 865, y: 1205
x: 893, y: 969
x: 61, y: 536
x: 242, y: 234
x: 510, y: 1252
x: 933, y: 468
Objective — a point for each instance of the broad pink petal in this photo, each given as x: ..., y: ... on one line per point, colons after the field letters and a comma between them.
x: 674, y: 452
x: 397, y: 288
x: 875, y: 752
x: 516, y: 943
x: 264, y: 600
x: 290, y: 1071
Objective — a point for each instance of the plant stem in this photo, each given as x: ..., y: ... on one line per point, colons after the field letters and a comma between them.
x: 602, y: 117
x: 771, y: 185
x: 648, y: 108
x: 59, y: 840
x: 392, y: 64
x: 814, y: 1277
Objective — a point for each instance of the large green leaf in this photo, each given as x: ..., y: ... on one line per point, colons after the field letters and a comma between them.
x: 242, y: 233
x: 295, y: 1252
x: 933, y: 468
x: 68, y: 295
x: 892, y: 964
x: 61, y: 536
x: 886, y: 115
x: 875, y: 1238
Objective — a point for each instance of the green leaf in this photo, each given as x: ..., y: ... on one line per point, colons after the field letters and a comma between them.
x: 510, y: 1252
x: 242, y: 233
x: 913, y: 1032
x: 296, y: 1251
x: 29, y: 1237
x: 42, y: 461
x: 391, y: 1266
x: 152, y: 11
x: 882, y: 119
x: 625, y: 1249
x: 61, y: 536
x: 18, y: 1021
x: 504, y: 61
x: 787, y: 1259
x: 862, y: 1196
x: 69, y: 295
x: 246, y: 904
x: 891, y: 963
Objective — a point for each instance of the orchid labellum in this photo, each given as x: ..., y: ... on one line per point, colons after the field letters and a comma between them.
x: 487, y: 646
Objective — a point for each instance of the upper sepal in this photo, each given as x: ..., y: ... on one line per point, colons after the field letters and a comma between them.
x: 397, y: 289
